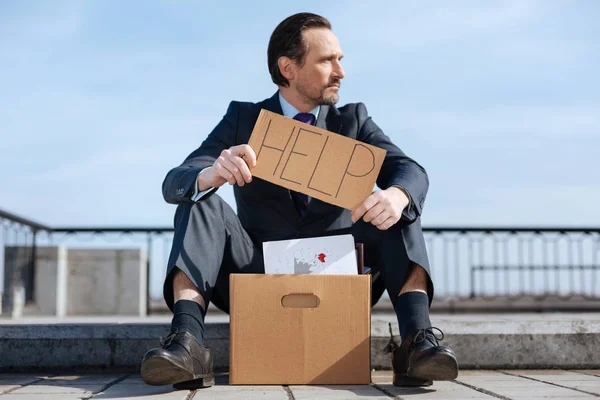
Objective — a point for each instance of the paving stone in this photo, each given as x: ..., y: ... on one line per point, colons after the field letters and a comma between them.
x: 6, y: 388
x: 96, y: 379
x: 59, y: 389
x: 439, y: 390
x: 537, y: 393
x: 557, y: 375
x: 337, y: 392
x: 133, y: 378
x: 226, y: 392
x: 484, y: 374
x: 532, y: 384
x: 77, y: 385
x: 574, y: 380
x: 44, y: 397
x: 129, y: 381
x: 16, y: 380
x: 222, y: 390
x: 515, y: 387
x: 142, y: 392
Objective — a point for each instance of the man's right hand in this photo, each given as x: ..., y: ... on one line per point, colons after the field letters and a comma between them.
x: 233, y: 166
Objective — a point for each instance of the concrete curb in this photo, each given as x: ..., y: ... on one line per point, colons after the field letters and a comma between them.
x: 517, y: 341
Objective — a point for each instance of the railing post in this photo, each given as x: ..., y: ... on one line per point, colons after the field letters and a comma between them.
x: 16, y: 286
x: 30, y: 284
x: 149, y: 256
x: 62, y: 274
x: 472, y: 282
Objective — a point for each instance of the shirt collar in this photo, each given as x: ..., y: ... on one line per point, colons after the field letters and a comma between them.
x: 290, y: 111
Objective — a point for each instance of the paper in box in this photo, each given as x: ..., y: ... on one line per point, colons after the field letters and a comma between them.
x: 300, y: 329
x: 317, y: 255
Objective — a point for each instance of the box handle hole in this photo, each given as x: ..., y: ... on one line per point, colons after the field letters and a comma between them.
x: 300, y: 300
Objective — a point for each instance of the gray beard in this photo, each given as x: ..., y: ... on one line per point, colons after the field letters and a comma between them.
x: 322, y: 100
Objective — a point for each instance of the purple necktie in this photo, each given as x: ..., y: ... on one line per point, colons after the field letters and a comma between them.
x: 307, y: 118
x: 301, y: 199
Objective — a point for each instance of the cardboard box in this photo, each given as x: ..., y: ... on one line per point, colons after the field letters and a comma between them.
x: 300, y: 329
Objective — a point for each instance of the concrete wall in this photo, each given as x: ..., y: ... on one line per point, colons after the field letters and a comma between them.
x: 106, y: 282
x: 45, y: 281
x: 82, y: 281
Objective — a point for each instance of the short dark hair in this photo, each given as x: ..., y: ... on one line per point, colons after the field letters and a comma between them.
x: 287, y: 41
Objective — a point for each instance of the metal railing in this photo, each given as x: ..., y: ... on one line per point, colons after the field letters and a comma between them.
x: 513, y: 262
x: 22, y: 240
x: 17, y: 255
x: 489, y: 265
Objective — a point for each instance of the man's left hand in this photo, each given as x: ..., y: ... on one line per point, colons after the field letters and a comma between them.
x: 382, y: 208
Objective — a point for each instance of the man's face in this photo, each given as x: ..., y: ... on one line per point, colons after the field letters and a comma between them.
x: 318, y: 80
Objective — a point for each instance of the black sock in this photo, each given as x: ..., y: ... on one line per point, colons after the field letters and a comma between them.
x: 412, y: 310
x: 189, y: 316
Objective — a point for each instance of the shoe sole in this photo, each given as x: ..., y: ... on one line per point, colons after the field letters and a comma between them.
x: 440, y: 366
x: 401, y: 379
x: 157, y: 371
x: 196, y: 383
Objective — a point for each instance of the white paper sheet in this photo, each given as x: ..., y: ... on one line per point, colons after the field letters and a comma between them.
x: 318, y: 255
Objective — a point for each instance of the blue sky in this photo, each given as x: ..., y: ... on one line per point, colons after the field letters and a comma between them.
x: 500, y: 101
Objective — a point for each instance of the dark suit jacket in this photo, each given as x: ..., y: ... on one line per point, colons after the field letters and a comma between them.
x: 267, y: 211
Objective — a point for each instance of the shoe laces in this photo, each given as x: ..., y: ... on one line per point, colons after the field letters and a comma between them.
x: 428, y: 334
x: 392, y: 345
x: 174, y: 335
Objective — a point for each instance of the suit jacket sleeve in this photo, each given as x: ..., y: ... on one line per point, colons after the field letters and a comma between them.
x: 398, y: 169
x: 179, y: 184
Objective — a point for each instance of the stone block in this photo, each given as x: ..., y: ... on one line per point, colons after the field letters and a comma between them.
x: 80, y: 281
x: 106, y: 282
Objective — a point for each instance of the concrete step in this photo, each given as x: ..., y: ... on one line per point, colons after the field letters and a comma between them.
x: 480, y: 341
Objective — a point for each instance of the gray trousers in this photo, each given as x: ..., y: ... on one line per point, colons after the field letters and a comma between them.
x: 210, y: 243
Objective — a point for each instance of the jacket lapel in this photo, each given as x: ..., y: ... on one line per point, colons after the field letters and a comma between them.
x: 334, y: 120
x: 322, y: 118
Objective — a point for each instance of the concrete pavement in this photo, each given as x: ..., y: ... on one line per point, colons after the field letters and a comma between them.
x: 501, y: 384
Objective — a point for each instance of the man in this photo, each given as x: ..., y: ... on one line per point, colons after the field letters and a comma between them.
x: 210, y: 241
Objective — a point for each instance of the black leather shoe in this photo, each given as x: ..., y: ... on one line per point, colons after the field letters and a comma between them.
x: 180, y: 361
x: 420, y: 360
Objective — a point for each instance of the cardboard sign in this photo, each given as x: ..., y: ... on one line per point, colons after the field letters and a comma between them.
x: 316, y: 162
